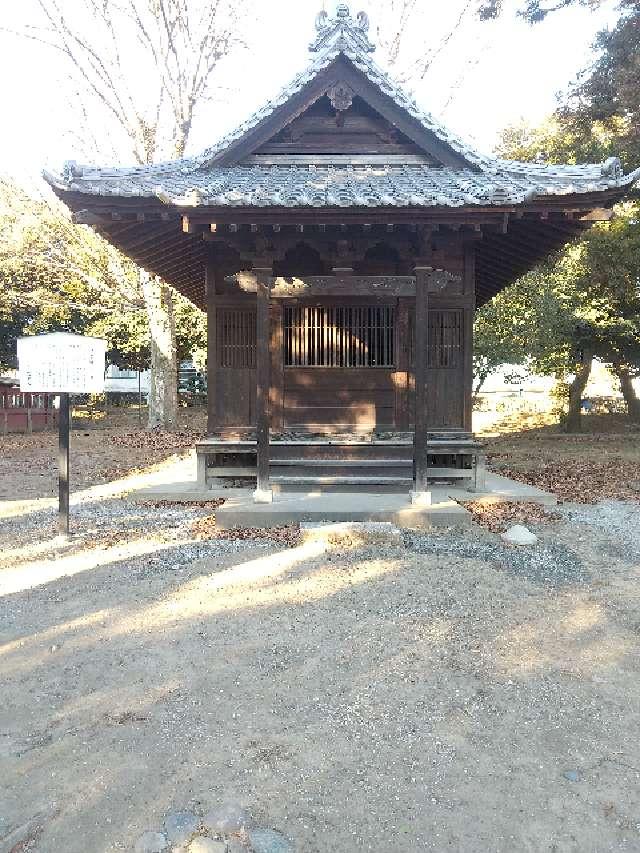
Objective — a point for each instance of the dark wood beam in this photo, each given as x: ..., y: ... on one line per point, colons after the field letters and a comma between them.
x: 420, y: 370
x: 263, y: 275
x: 469, y: 289
x: 213, y: 277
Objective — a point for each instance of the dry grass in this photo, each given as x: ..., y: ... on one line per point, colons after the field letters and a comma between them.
x: 498, y: 517
x: 206, y: 528
x: 584, y: 468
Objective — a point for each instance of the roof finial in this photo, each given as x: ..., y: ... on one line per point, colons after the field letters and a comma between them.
x: 342, y: 29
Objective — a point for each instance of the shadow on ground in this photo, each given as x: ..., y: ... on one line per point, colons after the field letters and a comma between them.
x: 390, y: 698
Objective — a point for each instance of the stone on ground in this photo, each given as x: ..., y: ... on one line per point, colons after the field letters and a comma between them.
x: 572, y: 775
x: 269, y: 841
x: 519, y: 535
x: 180, y: 826
x: 227, y: 818
x: 352, y: 534
x: 151, y: 842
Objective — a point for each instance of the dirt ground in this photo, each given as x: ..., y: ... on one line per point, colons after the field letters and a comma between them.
x: 448, y: 693
x: 100, y: 451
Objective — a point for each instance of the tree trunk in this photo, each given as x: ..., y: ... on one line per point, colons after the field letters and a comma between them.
x: 628, y: 392
x: 480, y: 379
x: 576, y: 390
x: 163, y: 380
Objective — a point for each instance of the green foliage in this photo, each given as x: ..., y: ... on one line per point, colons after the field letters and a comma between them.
x: 54, y: 275
x: 532, y: 322
x: 593, y: 288
x: 191, y: 330
x: 58, y: 276
x: 560, y: 139
x: 608, y: 95
x: 129, y: 339
x: 585, y: 303
x: 601, y: 115
x: 496, y: 340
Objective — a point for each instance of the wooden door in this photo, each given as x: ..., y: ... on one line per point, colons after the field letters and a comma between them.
x: 236, y: 366
x: 445, y: 371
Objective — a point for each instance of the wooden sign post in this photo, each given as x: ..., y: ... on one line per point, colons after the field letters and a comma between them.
x: 64, y: 429
x: 62, y: 363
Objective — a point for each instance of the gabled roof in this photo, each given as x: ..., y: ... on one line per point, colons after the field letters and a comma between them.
x: 267, y: 174
x: 226, y: 175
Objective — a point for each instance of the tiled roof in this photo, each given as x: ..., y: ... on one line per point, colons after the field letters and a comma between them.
x: 487, y: 180
x: 382, y: 185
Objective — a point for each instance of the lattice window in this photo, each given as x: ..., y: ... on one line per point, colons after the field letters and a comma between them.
x: 339, y: 336
x: 236, y: 338
x: 444, y: 347
x: 445, y: 339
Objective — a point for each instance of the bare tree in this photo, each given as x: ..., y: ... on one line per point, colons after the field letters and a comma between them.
x: 532, y: 11
x: 398, y: 23
x: 412, y: 39
x: 142, y: 68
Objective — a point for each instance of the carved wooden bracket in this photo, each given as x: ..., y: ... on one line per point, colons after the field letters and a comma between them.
x: 341, y: 96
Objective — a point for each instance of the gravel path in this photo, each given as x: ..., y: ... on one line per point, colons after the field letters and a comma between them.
x: 449, y: 694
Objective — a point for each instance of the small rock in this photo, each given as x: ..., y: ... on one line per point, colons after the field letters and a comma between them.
x: 269, y: 841
x: 180, y: 826
x: 227, y: 818
x: 519, y: 535
x: 206, y: 845
x: 572, y: 775
x: 151, y: 842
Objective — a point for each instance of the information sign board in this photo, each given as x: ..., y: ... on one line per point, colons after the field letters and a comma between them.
x: 61, y: 363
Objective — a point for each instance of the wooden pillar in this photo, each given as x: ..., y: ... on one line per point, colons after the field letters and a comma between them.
x: 403, y: 367
x: 468, y: 318
x: 276, y: 394
x: 212, y: 345
x: 421, y: 494
x: 263, y: 493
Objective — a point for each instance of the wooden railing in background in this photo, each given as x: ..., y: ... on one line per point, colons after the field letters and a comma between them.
x: 25, y: 412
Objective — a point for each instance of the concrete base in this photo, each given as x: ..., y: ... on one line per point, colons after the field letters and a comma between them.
x: 239, y: 509
x: 186, y: 491
x: 343, y: 506
x: 422, y: 498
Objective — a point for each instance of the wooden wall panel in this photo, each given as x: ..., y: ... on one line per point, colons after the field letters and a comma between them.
x: 236, y: 373
x: 333, y: 398
x: 447, y: 367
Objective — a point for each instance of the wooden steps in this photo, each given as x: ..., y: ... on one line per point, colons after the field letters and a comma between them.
x: 333, y: 465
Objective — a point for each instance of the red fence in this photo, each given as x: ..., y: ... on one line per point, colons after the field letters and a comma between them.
x: 23, y: 412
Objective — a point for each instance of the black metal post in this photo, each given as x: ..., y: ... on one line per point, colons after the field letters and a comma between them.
x: 64, y: 419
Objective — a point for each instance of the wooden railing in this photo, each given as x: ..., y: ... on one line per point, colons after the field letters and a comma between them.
x: 25, y: 412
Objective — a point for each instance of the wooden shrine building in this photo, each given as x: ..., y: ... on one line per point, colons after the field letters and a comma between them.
x: 340, y: 241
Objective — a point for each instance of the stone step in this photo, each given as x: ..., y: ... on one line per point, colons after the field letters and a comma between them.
x: 343, y: 463
x: 337, y: 480
x: 364, y: 451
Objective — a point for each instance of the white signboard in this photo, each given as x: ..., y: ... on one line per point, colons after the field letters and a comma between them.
x: 61, y: 363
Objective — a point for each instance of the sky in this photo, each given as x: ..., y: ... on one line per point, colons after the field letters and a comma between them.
x: 490, y: 75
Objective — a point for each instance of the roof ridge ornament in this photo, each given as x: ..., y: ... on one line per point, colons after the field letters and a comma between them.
x: 342, y: 31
